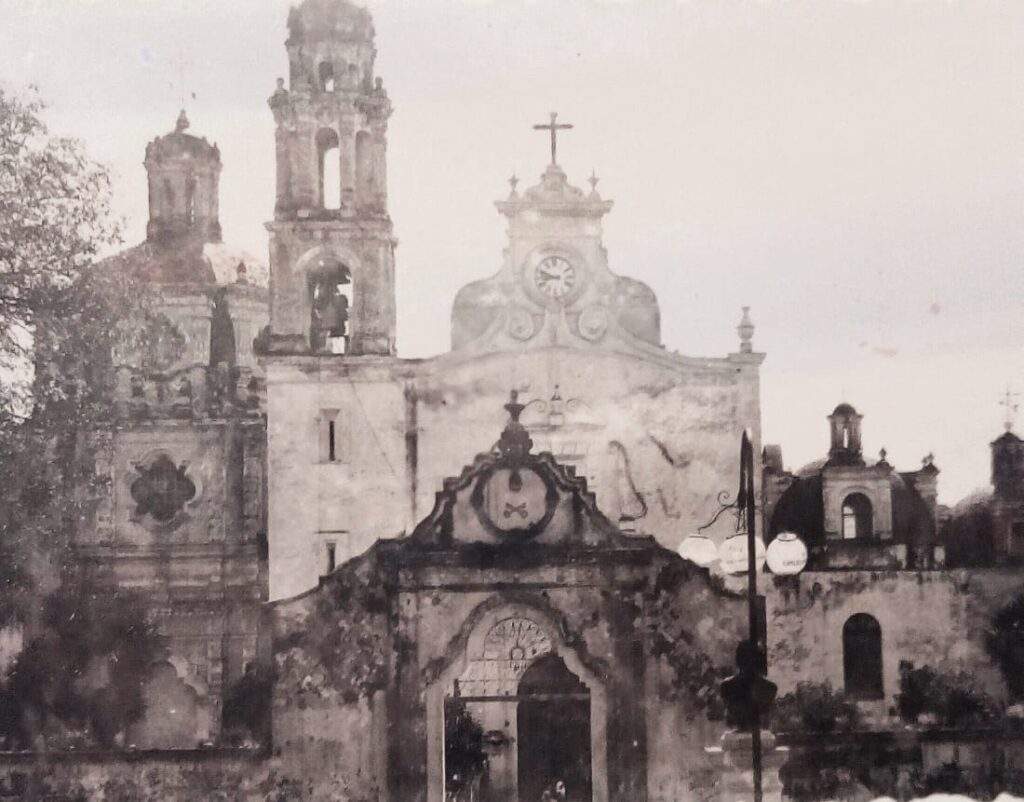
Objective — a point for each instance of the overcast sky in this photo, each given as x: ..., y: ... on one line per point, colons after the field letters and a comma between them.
x: 853, y: 171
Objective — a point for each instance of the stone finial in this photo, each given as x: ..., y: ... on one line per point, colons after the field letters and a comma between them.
x: 182, y: 123
x: 515, y: 441
x: 593, y: 180
x: 1009, y: 403
x: 242, y: 273
x: 513, y: 182
x: 556, y: 409
x: 927, y: 460
x: 746, y: 331
x: 882, y: 454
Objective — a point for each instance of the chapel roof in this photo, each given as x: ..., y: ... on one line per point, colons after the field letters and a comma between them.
x: 801, y: 509
x: 191, y: 262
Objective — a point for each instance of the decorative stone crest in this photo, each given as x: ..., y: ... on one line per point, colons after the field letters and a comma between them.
x: 520, y: 324
x: 593, y: 323
x: 162, y: 489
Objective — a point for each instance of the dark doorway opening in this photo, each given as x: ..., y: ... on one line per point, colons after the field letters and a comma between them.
x: 553, y: 731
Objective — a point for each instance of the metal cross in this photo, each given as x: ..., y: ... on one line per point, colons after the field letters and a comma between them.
x: 1011, y: 407
x: 554, y: 127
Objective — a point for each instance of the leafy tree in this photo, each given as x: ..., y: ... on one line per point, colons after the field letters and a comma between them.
x: 1004, y: 641
x: 54, y: 220
x: 62, y: 320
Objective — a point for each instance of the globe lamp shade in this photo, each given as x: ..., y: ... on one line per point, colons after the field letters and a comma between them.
x: 733, y: 554
x: 787, y: 554
x: 699, y: 549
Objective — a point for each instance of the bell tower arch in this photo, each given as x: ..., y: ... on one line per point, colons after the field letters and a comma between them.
x: 331, y: 140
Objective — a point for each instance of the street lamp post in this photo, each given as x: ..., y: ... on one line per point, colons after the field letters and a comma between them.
x: 747, y: 503
x: 748, y: 694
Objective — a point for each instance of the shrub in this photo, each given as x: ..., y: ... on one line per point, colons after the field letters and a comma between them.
x: 1004, y: 641
x: 246, y: 714
x: 815, y: 707
x: 84, y: 669
x: 950, y: 698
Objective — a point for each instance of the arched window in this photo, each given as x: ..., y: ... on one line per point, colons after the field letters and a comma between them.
x: 190, y: 201
x: 862, y: 657
x: 330, y: 285
x: 330, y: 168
x: 169, y: 197
x: 326, y: 72
x: 366, y: 181
x: 857, y: 517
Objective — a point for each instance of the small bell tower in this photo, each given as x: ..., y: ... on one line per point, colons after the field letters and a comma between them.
x: 184, y: 177
x: 845, y: 430
x: 332, y: 248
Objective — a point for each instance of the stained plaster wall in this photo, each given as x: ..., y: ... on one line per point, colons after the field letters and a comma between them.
x: 657, y: 438
x: 230, y: 776
x: 363, y: 660
x: 200, y: 572
x: 935, y: 618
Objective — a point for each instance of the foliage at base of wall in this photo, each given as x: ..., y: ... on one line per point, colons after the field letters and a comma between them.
x: 246, y: 713
x: 79, y: 680
x: 945, y: 699
x: 1004, y: 642
x: 814, y: 707
x: 463, y: 749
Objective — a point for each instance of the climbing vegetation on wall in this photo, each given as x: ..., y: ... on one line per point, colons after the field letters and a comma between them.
x: 344, y: 653
x: 694, y: 627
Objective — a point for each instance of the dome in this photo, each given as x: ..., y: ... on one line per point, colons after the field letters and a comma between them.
x: 210, y: 263
x: 329, y: 19
x: 179, y: 145
x: 844, y: 409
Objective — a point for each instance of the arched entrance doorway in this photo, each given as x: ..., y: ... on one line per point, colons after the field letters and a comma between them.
x: 518, y: 714
x: 553, y: 729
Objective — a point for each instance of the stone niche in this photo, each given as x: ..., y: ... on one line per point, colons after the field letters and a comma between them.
x: 515, y: 639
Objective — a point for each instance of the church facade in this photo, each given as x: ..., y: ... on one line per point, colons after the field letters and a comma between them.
x: 358, y: 438
x: 297, y: 499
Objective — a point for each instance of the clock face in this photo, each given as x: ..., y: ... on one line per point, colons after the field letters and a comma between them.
x: 555, y: 276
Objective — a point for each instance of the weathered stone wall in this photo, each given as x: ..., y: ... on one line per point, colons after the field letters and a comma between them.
x: 199, y: 569
x: 165, y: 776
x: 935, y: 618
x: 658, y: 440
x: 365, y: 661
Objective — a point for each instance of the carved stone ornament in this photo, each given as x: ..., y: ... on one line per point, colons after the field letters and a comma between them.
x: 511, y: 499
x: 593, y: 323
x: 162, y: 489
x: 520, y: 324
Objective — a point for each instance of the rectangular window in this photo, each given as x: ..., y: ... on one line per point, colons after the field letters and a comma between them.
x: 329, y: 445
x: 332, y: 556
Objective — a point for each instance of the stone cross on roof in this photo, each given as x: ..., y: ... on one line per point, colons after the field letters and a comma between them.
x: 1010, y: 403
x: 554, y: 127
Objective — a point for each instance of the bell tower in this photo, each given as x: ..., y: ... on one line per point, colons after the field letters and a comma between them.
x: 184, y: 174
x: 331, y: 243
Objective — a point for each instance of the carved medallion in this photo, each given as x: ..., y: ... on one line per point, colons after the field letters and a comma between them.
x: 514, y: 502
x: 593, y: 323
